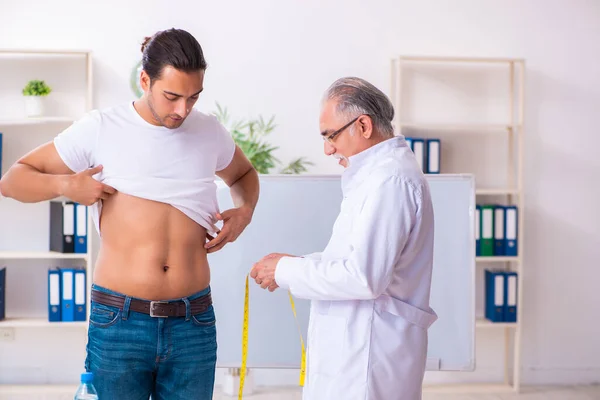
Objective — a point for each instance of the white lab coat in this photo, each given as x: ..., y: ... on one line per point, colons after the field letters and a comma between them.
x: 367, y: 335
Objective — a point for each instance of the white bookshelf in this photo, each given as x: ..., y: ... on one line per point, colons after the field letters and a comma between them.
x: 44, y: 255
x: 497, y: 259
x: 13, y: 390
x: 6, y: 121
x: 39, y: 323
x: 441, y: 97
x: 496, y: 192
x: 24, y: 241
x: 484, y: 128
x: 484, y: 323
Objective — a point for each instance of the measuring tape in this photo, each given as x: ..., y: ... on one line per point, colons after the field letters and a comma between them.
x: 245, y: 342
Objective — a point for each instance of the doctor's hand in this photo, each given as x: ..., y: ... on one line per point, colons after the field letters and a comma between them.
x: 234, y: 223
x: 263, y: 272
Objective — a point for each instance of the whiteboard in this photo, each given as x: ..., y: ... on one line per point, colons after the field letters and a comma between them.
x: 295, y: 215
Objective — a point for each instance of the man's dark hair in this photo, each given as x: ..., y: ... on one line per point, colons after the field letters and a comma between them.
x: 173, y: 47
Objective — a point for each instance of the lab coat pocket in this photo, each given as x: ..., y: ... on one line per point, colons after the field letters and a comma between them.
x: 410, y: 313
x: 328, y: 341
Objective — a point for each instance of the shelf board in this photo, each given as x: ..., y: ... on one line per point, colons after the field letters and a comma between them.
x: 442, y: 59
x: 487, y: 324
x: 469, y: 388
x: 496, y: 192
x: 39, y: 323
x: 497, y: 259
x: 4, y: 121
x: 48, y: 255
x: 64, y: 52
x: 457, y: 127
x: 40, y: 389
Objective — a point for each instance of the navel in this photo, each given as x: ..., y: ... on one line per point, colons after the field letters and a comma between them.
x: 166, y: 268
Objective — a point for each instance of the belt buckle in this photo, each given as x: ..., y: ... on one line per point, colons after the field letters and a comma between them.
x: 152, y: 304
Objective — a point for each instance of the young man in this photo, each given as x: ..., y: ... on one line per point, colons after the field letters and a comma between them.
x: 370, y: 286
x: 147, y: 169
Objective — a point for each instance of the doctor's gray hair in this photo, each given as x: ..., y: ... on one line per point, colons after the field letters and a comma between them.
x: 356, y: 96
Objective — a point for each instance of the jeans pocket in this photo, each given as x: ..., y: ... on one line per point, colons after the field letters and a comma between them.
x: 103, y: 316
x: 206, y: 318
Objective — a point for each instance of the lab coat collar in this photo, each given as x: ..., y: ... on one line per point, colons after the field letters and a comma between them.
x: 358, y: 168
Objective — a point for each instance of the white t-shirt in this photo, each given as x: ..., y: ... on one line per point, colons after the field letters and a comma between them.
x: 173, y: 166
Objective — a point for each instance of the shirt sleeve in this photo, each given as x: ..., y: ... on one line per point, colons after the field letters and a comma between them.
x: 76, y: 144
x: 314, y: 256
x: 225, y: 146
x: 381, y: 231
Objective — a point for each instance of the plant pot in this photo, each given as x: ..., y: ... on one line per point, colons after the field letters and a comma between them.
x: 34, y: 106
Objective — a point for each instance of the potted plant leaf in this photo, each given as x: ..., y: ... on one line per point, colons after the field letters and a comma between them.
x: 250, y: 137
x: 34, y: 92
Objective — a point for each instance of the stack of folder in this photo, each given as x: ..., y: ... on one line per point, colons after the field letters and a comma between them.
x: 496, y: 230
x: 67, y: 295
x: 501, y: 295
x: 68, y: 227
x: 427, y: 153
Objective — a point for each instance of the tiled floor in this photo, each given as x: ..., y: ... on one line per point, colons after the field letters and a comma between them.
x: 556, y: 393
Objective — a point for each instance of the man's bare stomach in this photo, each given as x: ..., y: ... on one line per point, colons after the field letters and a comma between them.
x: 150, y: 250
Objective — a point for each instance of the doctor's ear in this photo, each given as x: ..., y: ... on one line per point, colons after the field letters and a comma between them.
x: 365, y: 126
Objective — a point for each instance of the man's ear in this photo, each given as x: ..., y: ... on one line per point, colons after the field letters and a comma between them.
x: 365, y: 124
x: 145, y: 81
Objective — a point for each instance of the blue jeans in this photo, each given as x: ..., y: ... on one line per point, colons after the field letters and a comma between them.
x: 134, y: 356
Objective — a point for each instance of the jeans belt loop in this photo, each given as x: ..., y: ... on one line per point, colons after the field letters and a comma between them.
x: 188, y: 308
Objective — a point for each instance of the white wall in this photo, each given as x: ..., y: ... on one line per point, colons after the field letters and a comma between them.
x: 274, y: 57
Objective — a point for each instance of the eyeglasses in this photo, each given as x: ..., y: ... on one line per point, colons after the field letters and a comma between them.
x: 330, y: 137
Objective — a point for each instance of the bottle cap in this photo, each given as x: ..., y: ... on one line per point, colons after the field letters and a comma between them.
x: 87, y: 377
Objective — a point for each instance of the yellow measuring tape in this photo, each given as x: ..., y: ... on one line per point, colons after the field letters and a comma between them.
x: 245, y: 342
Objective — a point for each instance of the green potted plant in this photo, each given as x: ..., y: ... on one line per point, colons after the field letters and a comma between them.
x: 249, y: 136
x: 34, y: 92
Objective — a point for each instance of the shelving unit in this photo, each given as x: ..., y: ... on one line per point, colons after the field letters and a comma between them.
x: 44, y: 255
x: 34, y: 120
x: 39, y: 323
x: 425, y: 80
x: 22, y: 390
x: 24, y: 250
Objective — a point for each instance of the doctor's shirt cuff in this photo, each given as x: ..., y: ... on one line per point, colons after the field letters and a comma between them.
x: 287, y: 270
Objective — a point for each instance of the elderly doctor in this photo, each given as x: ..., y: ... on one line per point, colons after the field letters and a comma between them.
x: 367, y: 336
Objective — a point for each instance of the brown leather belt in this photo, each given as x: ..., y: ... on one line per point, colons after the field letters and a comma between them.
x: 160, y: 309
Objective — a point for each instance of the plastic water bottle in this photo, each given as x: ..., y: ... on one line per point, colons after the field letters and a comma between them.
x: 86, y: 390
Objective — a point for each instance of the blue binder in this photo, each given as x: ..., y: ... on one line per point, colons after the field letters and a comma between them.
x: 433, y: 156
x: 499, y: 231
x: 54, y: 295
x: 67, y: 298
x: 81, y: 228
x: 2, y: 293
x: 80, y: 296
x: 478, y: 230
x: 510, y: 294
x: 511, y: 223
x: 494, y: 295
x: 418, y: 146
